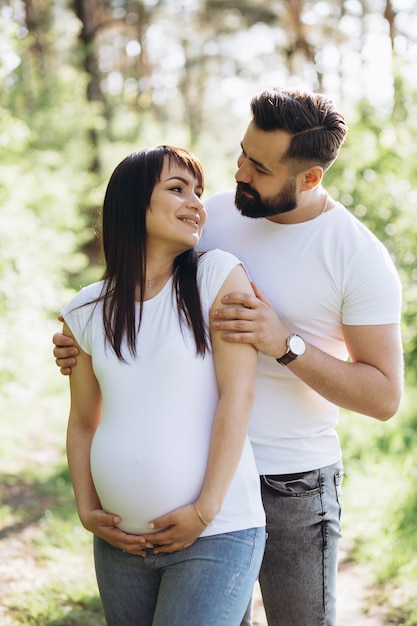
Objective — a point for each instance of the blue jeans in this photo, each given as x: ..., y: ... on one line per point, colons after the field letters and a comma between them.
x: 299, y: 569
x: 208, y: 584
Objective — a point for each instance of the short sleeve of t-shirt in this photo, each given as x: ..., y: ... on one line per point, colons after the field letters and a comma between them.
x: 84, y: 316
x: 80, y: 312
x: 213, y: 269
x: 372, y: 296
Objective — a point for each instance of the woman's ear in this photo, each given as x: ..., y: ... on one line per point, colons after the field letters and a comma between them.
x: 311, y: 177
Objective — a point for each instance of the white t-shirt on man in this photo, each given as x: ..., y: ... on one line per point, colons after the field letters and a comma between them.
x: 318, y: 275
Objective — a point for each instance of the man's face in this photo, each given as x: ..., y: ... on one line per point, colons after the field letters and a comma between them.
x: 250, y: 203
x: 264, y: 185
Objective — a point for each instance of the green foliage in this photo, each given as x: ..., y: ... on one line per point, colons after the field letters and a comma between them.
x: 381, y: 502
x: 38, y: 514
x: 50, y: 198
x: 43, y: 179
x: 59, y: 605
x: 376, y: 178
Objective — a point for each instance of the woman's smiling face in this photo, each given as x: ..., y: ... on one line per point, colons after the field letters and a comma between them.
x: 176, y: 215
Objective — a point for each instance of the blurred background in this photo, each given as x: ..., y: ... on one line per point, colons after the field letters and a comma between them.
x: 83, y: 84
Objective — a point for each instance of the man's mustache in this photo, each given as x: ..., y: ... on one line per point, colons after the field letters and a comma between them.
x: 246, y: 188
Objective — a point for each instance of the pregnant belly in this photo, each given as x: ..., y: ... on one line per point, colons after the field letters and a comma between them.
x: 140, y: 481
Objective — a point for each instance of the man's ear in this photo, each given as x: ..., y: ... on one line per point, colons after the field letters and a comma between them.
x: 311, y: 177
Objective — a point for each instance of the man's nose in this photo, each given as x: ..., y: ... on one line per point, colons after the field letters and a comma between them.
x: 243, y: 173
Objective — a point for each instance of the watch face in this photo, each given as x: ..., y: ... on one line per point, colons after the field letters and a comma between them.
x: 297, y: 345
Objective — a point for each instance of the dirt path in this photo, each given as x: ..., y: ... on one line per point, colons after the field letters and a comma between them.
x: 19, y: 571
x: 355, y: 606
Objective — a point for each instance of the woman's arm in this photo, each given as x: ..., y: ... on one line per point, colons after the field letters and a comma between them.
x: 235, y: 366
x: 235, y: 374
x: 84, y: 418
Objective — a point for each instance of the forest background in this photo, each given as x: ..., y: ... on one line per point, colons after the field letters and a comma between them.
x: 83, y: 84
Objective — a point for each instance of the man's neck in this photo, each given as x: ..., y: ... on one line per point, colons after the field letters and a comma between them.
x: 311, y: 204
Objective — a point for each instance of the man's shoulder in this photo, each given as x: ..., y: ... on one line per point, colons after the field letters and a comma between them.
x: 352, y: 226
x: 224, y: 222
x: 221, y: 200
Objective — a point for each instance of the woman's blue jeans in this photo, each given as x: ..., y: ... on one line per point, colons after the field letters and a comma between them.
x: 299, y: 569
x: 208, y: 584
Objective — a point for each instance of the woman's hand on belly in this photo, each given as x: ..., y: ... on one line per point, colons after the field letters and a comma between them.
x: 182, y: 528
x: 104, y: 525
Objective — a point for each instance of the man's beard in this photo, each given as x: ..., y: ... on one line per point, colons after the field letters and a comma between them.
x: 253, y: 206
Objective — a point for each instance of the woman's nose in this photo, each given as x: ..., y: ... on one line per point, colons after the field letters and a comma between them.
x: 196, y: 202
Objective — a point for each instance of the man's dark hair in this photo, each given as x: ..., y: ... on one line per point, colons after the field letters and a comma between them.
x: 318, y: 129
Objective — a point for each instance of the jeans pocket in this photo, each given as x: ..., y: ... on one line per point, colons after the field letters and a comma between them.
x: 304, y: 484
x: 338, y: 480
x: 248, y: 536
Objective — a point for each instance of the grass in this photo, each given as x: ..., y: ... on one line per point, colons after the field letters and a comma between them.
x: 380, y: 496
x: 46, y: 564
x: 56, y: 583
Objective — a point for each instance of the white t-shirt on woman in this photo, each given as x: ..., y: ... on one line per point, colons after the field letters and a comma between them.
x: 149, y: 452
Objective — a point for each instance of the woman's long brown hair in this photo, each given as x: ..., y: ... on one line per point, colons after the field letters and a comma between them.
x: 126, y: 201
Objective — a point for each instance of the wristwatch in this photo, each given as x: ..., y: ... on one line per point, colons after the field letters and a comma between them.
x: 295, y: 347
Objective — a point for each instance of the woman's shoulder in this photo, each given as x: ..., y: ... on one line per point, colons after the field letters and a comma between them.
x: 86, y: 295
x: 217, y: 257
x: 213, y: 268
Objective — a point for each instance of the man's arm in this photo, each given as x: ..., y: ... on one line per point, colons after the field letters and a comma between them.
x: 370, y: 383
x: 65, y: 351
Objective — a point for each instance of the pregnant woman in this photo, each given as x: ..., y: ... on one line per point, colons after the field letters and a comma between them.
x: 162, y: 469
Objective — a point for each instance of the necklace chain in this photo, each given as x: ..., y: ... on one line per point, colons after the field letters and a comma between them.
x: 324, y: 209
x: 151, y: 281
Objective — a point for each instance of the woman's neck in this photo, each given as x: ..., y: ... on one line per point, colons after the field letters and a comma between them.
x: 157, y: 275
x: 158, y: 279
